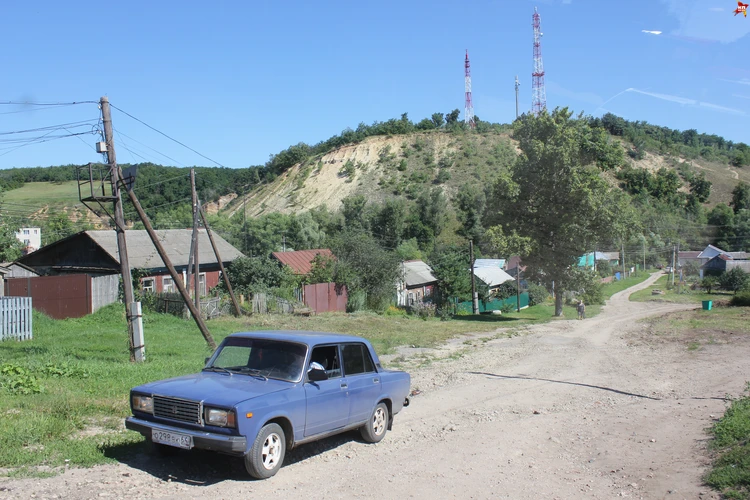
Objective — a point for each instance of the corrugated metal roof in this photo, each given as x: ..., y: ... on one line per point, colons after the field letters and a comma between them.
x: 176, y: 242
x: 492, y: 276
x: 300, y: 261
x: 417, y: 273
x: 499, y: 263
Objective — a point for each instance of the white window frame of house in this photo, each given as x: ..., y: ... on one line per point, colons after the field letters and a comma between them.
x: 148, y: 284
x: 36, y: 231
x: 202, y: 284
x: 167, y: 284
x: 25, y: 231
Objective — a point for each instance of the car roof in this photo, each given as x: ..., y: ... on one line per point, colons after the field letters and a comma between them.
x: 306, y: 337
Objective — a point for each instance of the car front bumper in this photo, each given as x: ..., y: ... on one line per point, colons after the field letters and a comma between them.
x: 231, y: 445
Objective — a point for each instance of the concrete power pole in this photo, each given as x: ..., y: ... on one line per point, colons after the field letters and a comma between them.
x: 135, y: 335
x: 474, y: 298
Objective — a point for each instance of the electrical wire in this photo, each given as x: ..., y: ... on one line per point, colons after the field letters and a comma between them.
x: 152, y: 149
x: 168, y: 137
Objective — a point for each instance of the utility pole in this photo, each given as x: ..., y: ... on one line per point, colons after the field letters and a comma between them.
x: 518, y: 285
x: 517, y: 85
x: 135, y: 339
x: 474, y: 298
x: 283, y: 243
x: 674, y: 250
x: 622, y: 243
x: 172, y: 271
x: 197, y: 273
x: 644, y: 254
x: 221, y: 264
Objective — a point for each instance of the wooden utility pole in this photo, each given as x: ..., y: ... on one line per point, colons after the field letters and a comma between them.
x: 135, y: 345
x: 196, y: 261
x: 622, y: 243
x: 518, y: 285
x: 644, y: 254
x: 674, y: 250
x: 474, y: 298
x: 221, y: 264
x: 172, y: 272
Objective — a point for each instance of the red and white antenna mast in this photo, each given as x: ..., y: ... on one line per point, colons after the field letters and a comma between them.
x: 469, y: 107
x: 538, y: 94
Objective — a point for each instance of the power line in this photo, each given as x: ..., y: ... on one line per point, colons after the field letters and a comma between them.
x: 168, y: 137
x: 152, y: 149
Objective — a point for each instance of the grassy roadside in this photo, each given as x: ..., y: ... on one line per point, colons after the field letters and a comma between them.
x: 730, y: 473
x: 682, y: 295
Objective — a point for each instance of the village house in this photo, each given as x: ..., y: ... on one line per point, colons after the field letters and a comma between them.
x: 418, y: 283
x: 87, y: 264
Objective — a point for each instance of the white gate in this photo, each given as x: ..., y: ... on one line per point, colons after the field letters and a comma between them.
x: 15, y: 318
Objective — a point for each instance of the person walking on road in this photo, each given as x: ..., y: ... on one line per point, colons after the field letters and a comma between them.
x: 581, y: 310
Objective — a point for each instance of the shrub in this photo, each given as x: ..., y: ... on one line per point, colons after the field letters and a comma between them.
x: 537, y: 294
x: 742, y: 299
x: 593, y: 295
x: 356, y: 301
x: 423, y: 310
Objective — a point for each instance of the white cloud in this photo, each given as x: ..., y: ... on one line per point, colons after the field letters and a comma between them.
x: 744, y: 81
x: 689, y: 102
x: 696, y: 23
x: 741, y: 96
x: 650, y: 32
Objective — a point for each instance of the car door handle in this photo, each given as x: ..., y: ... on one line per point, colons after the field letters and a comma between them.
x: 344, y: 386
x: 375, y: 380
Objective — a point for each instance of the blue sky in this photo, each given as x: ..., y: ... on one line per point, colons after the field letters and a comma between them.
x: 239, y: 81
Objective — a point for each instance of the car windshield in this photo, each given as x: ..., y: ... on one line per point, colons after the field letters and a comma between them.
x: 264, y: 358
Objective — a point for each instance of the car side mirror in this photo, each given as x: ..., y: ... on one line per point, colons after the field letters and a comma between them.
x: 316, y: 372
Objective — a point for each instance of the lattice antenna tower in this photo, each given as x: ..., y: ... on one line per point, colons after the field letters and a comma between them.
x: 469, y: 107
x: 538, y: 94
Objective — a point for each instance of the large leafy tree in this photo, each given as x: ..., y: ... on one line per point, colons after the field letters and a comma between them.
x: 555, y: 198
x: 740, y: 197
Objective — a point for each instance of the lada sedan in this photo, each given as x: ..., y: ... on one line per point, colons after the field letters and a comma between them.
x: 262, y: 393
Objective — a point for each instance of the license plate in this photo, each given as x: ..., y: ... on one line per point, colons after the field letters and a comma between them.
x: 172, y: 439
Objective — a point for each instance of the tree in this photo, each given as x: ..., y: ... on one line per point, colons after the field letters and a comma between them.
x: 450, y: 264
x: 700, y: 187
x: 740, y: 197
x: 390, y: 222
x: 471, y: 203
x: 556, y: 198
x: 355, y: 215
x: 709, y: 283
x: 10, y: 246
x: 734, y: 280
x: 437, y: 119
x: 364, y: 266
x: 433, y: 212
x: 452, y: 117
x: 258, y: 274
x: 323, y: 268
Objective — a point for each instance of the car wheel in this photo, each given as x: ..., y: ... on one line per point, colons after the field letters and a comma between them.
x: 267, y: 454
x: 374, y: 430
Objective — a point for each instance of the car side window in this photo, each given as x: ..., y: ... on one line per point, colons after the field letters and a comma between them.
x: 328, y: 357
x: 357, y: 359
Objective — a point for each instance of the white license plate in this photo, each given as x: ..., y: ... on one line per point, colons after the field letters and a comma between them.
x: 172, y: 439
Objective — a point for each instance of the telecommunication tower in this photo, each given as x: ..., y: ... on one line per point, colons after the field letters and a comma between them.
x: 517, y: 85
x: 469, y: 107
x: 538, y: 94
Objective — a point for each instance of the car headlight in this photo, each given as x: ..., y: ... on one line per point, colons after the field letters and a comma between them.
x: 220, y: 418
x: 143, y: 403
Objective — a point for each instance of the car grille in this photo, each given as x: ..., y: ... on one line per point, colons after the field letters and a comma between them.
x: 177, y: 409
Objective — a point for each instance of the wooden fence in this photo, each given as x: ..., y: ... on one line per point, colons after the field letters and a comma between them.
x: 15, y: 318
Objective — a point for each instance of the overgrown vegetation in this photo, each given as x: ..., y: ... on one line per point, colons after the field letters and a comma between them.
x: 730, y: 473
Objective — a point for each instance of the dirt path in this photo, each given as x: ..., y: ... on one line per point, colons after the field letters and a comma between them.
x: 568, y: 409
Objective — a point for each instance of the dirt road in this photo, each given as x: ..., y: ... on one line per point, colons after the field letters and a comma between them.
x: 568, y: 409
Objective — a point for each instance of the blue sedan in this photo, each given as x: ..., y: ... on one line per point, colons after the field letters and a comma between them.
x: 262, y: 393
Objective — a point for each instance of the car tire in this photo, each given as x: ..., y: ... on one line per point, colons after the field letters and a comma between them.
x: 375, y: 428
x: 267, y: 454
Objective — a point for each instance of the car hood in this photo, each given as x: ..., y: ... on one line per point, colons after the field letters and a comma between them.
x: 219, y: 389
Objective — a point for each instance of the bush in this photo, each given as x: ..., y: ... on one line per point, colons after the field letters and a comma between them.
x: 742, y: 299
x: 593, y: 295
x: 537, y: 294
x: 356, y: 301
x: 423, y: 310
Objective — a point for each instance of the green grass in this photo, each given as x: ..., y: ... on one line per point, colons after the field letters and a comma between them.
x: 730, y: 473
x: 37, y: 195
x: 682, y: 294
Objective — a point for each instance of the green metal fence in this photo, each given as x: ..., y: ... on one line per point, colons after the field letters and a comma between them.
x: 493, y: 305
